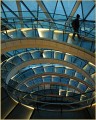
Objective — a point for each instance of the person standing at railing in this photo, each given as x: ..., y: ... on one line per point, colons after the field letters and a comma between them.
x: 75, y: 25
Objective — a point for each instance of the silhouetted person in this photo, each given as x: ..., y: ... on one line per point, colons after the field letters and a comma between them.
x: 41, y: 53
x: 75, y: 25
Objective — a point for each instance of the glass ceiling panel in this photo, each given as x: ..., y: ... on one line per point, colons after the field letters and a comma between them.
x: 25, y: 12
x: 59, y: 9
x: 32, y: 5
x: 68, y: 6
x: 50, y: 5
x: 41, y: 16
x: 2, y: 13
x: 11, y: 4
x: 91, y: 16
x: 87, y: 6
x: 8, y: 13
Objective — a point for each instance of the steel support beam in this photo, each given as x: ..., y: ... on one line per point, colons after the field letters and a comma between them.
x: 10, y: 9
x: 31, y: 12
x: 90, y: 12
x: 20, y: 13
x: 46, y: 12
x: 44, y: 9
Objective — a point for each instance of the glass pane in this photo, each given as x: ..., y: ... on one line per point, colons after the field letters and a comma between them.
x: 73, y: 83
x: 9, y: 66
x: 49, y: 69
x: 17, y: 60
x: 9, y: 13
x: 32, y: 5
x: 25, y: 12
x: 69, y: 58
x: 70, y: 72
x: 48, y: 54
x: 58, y: 55
x: 26, y: 56
x: 91, y: 16
x: 27, y: 73
x: 81, y: 87
x: 89, y: 69
x: 79, y: 75
x: 50, y: 5
x: 30, y: 83
x: 86, y: 45
x: 11, y: 4
x: 59, y: 70
x: 89, y: 82
x: 87, y: 6
x: 38, y: 80
x: 69, y: 6
x: 46, y: 78
x: 41, y: 16
x: 65, y: 80
x: 55, y: 79
x: 59, y: 9
x: 79, y: 62
x: 36, y: 54
x: 22, y: 87
x: 38, y: 70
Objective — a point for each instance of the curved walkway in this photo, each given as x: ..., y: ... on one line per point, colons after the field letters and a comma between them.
x: 45, y: 43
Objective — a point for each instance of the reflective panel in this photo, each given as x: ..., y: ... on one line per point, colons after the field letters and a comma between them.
x: 60, y: 70
x: 81, y: 86
x: 70, y: 72
x: 65, y: 80
x: 26, y: 56
x: 46, y: 78
x: 55, y: 79
x: 17, y: 60
x: 73, y: 83
x: 78, y: 75
x: 49, y: 69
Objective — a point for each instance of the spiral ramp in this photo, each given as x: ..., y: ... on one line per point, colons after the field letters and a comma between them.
x: 45, y: 74
x: 72, y: 74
